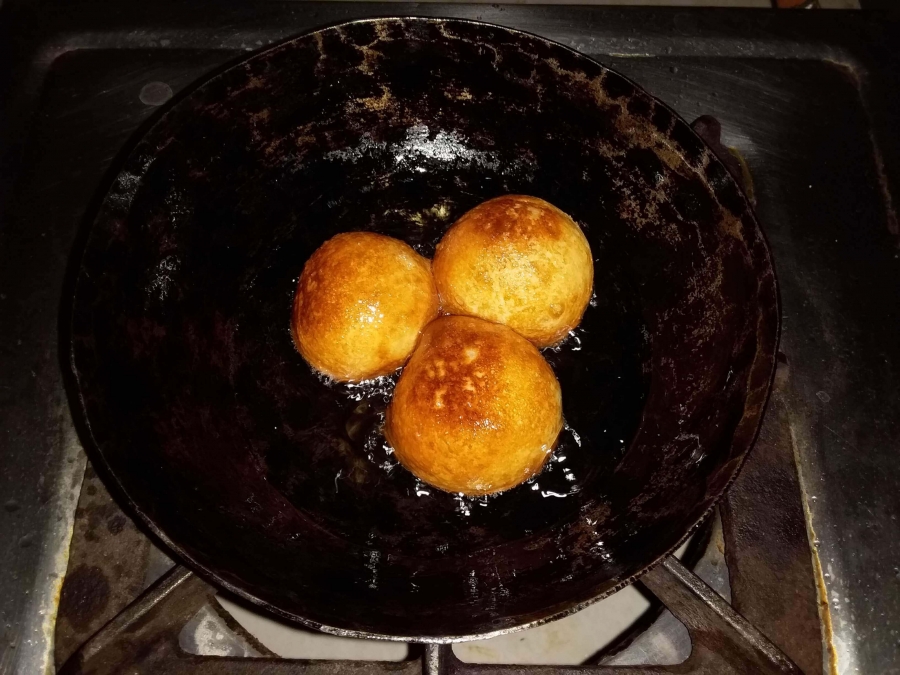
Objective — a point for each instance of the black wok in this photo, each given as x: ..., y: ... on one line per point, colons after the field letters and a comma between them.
x: 277, y: 485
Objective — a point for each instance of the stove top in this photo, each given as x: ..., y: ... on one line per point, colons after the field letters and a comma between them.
x: 809, y: 531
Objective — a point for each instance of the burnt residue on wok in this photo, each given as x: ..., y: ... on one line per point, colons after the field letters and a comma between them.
x: 277, y: 484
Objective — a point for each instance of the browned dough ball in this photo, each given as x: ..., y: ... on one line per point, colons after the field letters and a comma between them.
x: 519, y: 261
x: 477, y: 409
x: 361, y: 304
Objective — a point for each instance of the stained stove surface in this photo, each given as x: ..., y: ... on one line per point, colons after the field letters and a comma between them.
x: 809, y: 531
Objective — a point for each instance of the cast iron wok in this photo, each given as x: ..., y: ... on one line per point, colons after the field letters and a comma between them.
x: 278, y: 485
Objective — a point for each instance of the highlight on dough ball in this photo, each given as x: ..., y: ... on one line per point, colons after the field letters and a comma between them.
x: 519, y: 261
x: 360, y: 305
x: 477, y: 409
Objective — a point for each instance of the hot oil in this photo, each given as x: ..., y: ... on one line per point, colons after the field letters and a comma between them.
x: 365, y: 428
x: 319, y: 428
x: 325, y: 450
x: 600, y: 366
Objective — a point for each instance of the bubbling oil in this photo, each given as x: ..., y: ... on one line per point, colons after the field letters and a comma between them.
x: 601, y: 367
x: 365, y: 426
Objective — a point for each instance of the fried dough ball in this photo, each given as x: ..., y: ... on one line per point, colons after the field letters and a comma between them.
x: 361, y: 304
x: 519, y: 261
x: 477, y: 409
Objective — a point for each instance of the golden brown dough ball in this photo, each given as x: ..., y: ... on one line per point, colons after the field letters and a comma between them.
x: 477, y: 409
x: 361, y: 303
x: 519, y: 261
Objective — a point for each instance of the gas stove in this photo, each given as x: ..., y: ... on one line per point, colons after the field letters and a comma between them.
x: 800, y: 561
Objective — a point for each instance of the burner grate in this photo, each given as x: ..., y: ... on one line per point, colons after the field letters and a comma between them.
x: 144, y: 639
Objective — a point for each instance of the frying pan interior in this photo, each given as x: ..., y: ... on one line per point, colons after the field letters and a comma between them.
x: 279, y: 485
